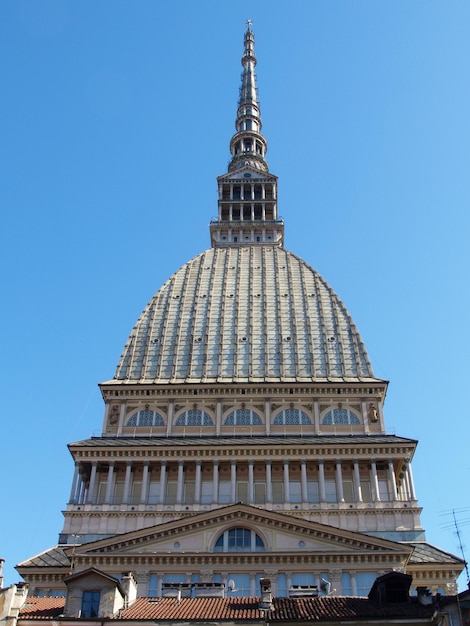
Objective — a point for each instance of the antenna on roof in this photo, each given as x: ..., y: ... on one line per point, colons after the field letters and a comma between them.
x: 457, y: 532
x: 455, y: 525
x: 231, y: 585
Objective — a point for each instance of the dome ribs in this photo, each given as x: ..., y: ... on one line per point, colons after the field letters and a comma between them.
x: 180, y: 329
x: 320, y: 341
x: 242, y: 340
x: 199, y: 319
x: 258, y: 321
x: 272, y: 320
x: 162, y: 299
x: 244, y: 314
x: 149, y: 355
x: 289, y: 332
x: 305, y: 357
x: 329, y: 322
x: 217, y: 258
x: 228, y: 321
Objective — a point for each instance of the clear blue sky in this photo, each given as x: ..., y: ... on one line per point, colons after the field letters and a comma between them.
x: 116, y: 120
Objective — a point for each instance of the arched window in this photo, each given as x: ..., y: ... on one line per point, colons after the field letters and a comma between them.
x: 340, y: 417
x: 145, y: 418
x: 194, y: 417
x: 243, y: 417
x: 291, y: 417
x: 239, y: 540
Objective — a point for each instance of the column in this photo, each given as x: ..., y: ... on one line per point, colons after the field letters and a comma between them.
x: 365, y: 416
x: 127, y: 482
x: 253, y: 591
x: 391, y: 480
x: 163, y: 482
x: 357, y: 481
x: 73, y: 490
x: 375, y: 480
x: 233, y: 481
x: 215, y: 482
x: 316, y: 416
x: 353, y: 584
x: 267, y: 413
x: 179, y: 485
x: 91, y: 486
x: 145, y: 483
x: 82, y: 492
x: 269, y: 482
x: 321, y: 480
x: 286, y: 481
x: 109, y: 483
x: 171, y: 410
x: 197, y: 484
x: 410, y: 478
x: 251, y: 483
x: 303, y: 478
x: 339, y: 481
x: 122, y: 417
x: 218, y: 417
x: 288, y: 581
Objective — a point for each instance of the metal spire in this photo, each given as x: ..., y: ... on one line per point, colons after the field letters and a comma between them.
x: 248, y: 146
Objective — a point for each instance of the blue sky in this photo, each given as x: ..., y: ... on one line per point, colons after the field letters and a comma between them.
x: 116, y: 120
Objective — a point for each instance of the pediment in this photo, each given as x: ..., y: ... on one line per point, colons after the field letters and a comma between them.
x: 279, y: 532
x: 247, y: 173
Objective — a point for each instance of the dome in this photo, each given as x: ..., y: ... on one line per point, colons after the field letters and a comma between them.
x: 244, y: 315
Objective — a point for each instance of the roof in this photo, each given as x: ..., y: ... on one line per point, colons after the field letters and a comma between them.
x: 425, y: 553
x: 327, y: 608
x: 253, y: 314
x: 246, y: 441
x: 42, y: 608
x: 52, y: 557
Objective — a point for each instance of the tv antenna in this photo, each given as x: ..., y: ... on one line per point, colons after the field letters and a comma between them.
x: 454, y: 525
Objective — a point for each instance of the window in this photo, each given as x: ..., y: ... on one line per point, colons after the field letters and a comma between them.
x: 340, y: 417
x: 303, y: 579
x: 243, y: 417
x: 90, y: 603
x: 145, y: 418
x: 291, y: 417
x: 194, y: 417
x: 239, y: 540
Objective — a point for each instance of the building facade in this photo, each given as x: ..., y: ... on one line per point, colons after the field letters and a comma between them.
x: 244, y: 433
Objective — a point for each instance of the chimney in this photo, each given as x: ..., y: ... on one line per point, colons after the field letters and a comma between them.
x: 2, y: 561
x: 266, y: 594
x: 129, y: 586
x: 424, y: 595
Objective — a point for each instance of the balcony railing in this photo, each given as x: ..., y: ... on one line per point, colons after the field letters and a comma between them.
x: 216, y: 222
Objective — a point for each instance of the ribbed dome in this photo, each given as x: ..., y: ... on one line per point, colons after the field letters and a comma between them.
x: 253, y: 314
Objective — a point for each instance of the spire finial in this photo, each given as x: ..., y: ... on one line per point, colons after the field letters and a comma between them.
x: 248, y: 144
x: 248, y: 191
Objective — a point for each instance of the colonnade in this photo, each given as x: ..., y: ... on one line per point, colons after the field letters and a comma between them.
x: 198, y: 482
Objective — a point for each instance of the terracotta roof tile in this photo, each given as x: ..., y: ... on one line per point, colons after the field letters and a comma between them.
x: 42, y: 608
x: 241, y: 609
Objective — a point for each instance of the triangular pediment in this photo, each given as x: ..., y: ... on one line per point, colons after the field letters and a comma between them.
x: 247, y: 173
x: 280, y: 533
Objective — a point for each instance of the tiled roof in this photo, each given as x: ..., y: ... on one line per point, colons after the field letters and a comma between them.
x: 326, y: 608
x: 53, y: 557
x: 42, y: 608
x: 426, y: 553
x: 315, y: 440
x: 254, y: 314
